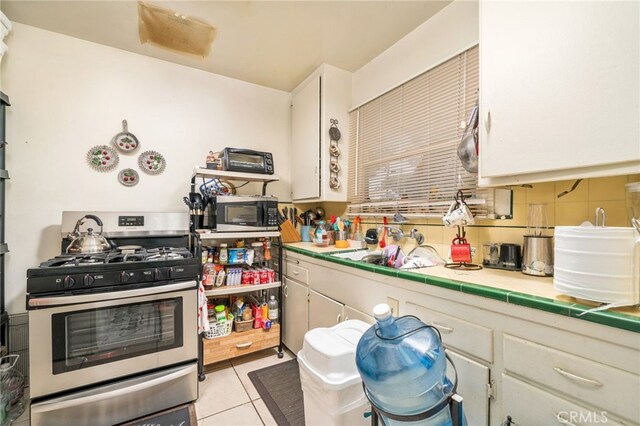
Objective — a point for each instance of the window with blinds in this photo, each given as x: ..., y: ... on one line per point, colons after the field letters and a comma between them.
x: 403, y: 144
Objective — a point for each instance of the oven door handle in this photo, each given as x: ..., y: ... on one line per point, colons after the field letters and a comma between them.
x: 73, y: 401
x: 112, y: 295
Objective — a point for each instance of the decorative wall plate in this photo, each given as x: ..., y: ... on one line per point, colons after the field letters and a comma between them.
x: 152, y: 162
x: 125, y: 141
x: 102, y: 158
x: 128, y: 177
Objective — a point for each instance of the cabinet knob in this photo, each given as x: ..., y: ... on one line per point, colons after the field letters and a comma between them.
x: 284, y: 291
x: 243, y: 345
x: 338, y: 318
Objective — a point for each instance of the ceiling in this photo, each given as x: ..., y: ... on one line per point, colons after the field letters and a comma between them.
x: 270, y: 43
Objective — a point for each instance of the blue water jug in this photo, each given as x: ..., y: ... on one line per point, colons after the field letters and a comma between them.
x: 403, y: 367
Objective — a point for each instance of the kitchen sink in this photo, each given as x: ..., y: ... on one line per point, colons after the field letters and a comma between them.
x: 373, y: 257
x: 359, y: 255
x: 422, y: 256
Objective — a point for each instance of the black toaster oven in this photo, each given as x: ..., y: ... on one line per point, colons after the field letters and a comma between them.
x: 247, y: 160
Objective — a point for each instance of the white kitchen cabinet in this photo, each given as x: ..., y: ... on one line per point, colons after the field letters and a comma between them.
x: 474, y: 387
x: 350, y: 313
x: 296, y: 311
x: 474, y: 382
x: 506, y: 355
x: 531, y: 406
x: 592, y: 384
x: 559, y: 90
x: 323, y: 311
x: 324, y: 95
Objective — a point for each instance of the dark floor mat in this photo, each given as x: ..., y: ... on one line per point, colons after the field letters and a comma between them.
x: 279, y: 387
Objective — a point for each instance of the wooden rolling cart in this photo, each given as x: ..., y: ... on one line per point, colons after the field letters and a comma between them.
x: 236, y: 344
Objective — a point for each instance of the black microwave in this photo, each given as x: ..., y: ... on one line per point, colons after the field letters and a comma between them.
x: 231, y: 213
x: 247, y: 160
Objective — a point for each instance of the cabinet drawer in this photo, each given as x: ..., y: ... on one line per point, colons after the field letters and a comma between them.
x: 599, y: 385
x: 237, y: 344
x: 297, y: 272
x: 531, y: 406
x: 457, y: 333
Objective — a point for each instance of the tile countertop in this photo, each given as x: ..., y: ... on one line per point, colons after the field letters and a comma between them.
x: 506, y: 286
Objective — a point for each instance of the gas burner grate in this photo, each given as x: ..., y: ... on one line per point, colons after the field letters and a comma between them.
x: 120, y: 257
x: 168, y: 253
x: 74, y: 260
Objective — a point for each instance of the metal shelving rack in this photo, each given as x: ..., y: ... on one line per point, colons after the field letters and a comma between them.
x: 4, y: 175
x: 202, y: 235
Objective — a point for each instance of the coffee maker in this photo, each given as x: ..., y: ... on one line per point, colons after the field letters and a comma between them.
x: 537, y: 257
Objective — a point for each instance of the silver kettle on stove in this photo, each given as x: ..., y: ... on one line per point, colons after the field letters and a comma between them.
x: 87, y: 242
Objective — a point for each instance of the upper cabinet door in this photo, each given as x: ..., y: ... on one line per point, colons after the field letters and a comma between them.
x: 560, y: 90
x: 305, y: 136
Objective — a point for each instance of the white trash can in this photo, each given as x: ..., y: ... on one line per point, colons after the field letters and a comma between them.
x: 330, y: 382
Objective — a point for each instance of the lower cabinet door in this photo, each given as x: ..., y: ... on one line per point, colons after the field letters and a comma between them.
x: 473, y: 379
x: 295, y: 313
x: 354, y: 314
x: 531, y: 406
x: 323, y: 311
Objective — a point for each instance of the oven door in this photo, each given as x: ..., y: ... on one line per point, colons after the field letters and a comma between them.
x: 82, y: 340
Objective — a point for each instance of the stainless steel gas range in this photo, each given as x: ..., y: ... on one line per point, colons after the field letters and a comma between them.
x: 113, y: 335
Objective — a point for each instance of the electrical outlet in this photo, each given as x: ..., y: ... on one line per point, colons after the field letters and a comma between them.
x: 473, y: 251
x: 394, y: 305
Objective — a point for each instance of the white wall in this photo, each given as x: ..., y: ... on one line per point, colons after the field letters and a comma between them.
x: 451, y: 31
x: 68, y: 95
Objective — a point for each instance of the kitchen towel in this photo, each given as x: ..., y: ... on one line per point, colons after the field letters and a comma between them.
x: 203, y: 312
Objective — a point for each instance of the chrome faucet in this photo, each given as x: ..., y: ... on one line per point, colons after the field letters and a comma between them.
x: 393, y: 231
x: 396, y: 233
x: 416, y: 236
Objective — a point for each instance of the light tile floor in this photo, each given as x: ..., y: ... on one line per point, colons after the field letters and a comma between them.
x: 226, y: 397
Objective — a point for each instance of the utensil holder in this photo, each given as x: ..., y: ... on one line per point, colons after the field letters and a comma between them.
x: 289, y: 233
x: 341, y: 235
x: 197, y: 221
x: 306, y: 233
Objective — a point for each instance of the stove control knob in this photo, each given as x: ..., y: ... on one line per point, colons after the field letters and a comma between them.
x: 157, y: 274
x: 69, y: 282
x: 124, y: 277
x: 171, y: 273
x: 87, y: 280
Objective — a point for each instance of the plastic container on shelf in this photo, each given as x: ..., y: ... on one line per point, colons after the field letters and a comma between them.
x: 273, y: 309
x: 223, y: 254
x: 331, y: 385
x: 403, y: 366
x: 219, y: 329
x: 258, y: 249
x: 221, y: 313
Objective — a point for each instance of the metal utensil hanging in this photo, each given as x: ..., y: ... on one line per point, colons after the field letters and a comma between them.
x: 334, y: 152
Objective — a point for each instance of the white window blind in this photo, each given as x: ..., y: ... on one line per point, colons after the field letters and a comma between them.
x: 403, y: 144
